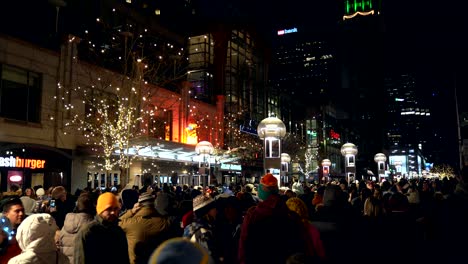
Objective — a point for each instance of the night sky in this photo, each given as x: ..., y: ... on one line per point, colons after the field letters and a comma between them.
x: 428, y: 38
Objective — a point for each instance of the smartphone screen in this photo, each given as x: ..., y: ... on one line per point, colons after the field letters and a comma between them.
x: 52, y: 203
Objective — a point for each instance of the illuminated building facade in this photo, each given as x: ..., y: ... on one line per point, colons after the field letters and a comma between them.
x: 33, y: 129
x: 232, y: 77
x: 48, y: 155
x: 230, y: 61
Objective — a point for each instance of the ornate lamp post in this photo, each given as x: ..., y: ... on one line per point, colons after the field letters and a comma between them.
x: 326, y: 163
x: 204, y: 149
x: 271, y: 130
x: 380, y: 158
x: 349, y: 151
x: 285, y: 159
x: 397, y: 164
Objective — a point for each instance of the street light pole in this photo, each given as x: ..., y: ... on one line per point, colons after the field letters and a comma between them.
x: 326, y: 163
x: 271, y: 130
x: 285, y: 159
x: 380, y: 158
x: 349, y: 151
x: 397, y: 164
x: 204, y: 149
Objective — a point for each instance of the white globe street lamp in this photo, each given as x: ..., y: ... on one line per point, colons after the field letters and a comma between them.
x: 398, y: 164
x: 204, y: 149
x: 380, y: 159
x: 271, y: 130
x: 349, y: 151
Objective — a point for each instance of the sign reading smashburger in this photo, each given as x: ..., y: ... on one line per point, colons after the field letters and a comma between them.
x: 21, y: 163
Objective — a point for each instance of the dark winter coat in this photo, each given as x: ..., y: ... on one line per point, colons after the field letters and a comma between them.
x: 101, y: 242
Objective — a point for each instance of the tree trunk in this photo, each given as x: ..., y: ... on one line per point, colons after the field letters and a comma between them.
x: 123, y: 176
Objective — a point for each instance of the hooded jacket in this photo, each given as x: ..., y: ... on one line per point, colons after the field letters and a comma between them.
x: 73, y: 223
x: 36, y: 239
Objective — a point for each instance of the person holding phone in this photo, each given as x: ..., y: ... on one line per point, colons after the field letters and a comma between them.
x: 60, y: 205
x: 52, y: 205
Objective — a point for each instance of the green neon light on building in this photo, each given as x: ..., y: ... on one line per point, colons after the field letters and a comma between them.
x: 357, y: 5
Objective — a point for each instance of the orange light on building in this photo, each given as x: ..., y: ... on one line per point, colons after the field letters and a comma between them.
x: 192, y: 136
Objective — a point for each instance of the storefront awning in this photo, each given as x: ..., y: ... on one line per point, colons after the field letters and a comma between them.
x: 171, y: 151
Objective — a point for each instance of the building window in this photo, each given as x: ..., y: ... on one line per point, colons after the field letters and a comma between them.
x: 160, y: 126
x: 20, y: 94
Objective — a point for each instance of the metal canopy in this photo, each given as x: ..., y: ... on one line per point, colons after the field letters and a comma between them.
x: 146, y: 147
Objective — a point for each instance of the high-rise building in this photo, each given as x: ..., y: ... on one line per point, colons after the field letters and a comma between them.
x: 230, y: 61
x: 360, y: 56
x: 304, y: 71
x: 409, y: 126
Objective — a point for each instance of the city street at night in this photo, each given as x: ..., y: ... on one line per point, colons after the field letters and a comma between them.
x: 233, y: 131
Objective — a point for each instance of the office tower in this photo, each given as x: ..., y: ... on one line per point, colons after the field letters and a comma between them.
x: 304, y: 71
x: 409, y: 126
x: 360, y: 55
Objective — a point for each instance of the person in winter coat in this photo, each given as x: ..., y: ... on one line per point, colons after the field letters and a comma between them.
x: 129, y: 198
x: 202, y: 229
x: 13, y: 215
x: 65, y: 204
x: 36, y: 238
x: 298, y: 206
x: 102, y: 240
x: 145, y: 229
x: 84, y: 213
x: 271, y: 223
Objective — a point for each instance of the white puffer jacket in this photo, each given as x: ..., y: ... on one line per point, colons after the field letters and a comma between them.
x: 36, y: 238
x: 73, y: 223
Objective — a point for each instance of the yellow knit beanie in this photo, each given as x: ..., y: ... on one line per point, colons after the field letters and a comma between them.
x: 105, y: 201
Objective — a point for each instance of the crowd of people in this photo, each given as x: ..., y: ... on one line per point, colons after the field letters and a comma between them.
x: 407, y: 220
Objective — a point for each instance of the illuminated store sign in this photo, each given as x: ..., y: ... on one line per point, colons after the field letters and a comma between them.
x: 287, y: 31
x: 334, y: 135
x: 21, y: 163
x: 248, y: 129
x: 225, y: 166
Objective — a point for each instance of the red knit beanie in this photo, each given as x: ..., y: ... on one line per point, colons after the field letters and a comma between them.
x: 269, y: 180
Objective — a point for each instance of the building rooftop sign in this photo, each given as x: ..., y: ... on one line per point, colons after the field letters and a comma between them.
x: 360, y: 7
x: 287, y: 31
